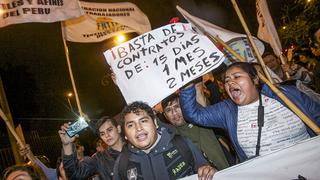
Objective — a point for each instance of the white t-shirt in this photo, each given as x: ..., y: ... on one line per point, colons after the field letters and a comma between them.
x: 281, y: 127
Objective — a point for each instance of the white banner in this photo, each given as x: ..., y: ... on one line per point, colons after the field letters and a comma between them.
x: 104, y: 20
x: 153, y: 65
x: 302, y: 159
x: 23, y: 11
x: 238, y: 42
x: 267, y: 32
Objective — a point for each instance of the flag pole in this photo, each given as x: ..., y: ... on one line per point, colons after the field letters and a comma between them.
x: 283, y: 61
x: 244, y: 25
x: 70, y: 72
x: 215, y: 38
x: 266, y: 27
x: 15, y: 135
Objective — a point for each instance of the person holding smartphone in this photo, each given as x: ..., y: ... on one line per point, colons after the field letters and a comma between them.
x: 102, y: 162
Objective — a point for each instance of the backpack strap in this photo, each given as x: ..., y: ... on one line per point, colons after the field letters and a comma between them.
x: 260, y: 124
x: 182, y: 146
x: 123, y: 162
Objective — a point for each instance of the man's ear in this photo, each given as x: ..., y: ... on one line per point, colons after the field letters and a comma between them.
x: 155, y: 118
x: 119, y: 129
x: 156, y: 122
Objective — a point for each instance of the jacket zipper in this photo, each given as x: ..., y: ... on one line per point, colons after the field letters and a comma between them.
x: 151, y: 166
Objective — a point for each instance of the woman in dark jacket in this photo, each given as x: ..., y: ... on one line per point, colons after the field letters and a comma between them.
x: 239, y: 113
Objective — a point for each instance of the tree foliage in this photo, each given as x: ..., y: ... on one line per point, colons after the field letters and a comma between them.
x: 299, y: 18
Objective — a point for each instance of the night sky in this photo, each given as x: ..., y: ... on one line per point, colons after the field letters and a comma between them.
x: 34, y: 69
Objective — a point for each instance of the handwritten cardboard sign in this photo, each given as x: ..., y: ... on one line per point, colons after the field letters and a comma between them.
x: 152, y: 66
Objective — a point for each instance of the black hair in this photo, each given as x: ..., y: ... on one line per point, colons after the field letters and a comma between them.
x: 77, y: 143
x: 248, y: 68
x: 165, y: 102
x: 255, y: 64
x: 31, y: 170
x: 135, y: 107
x: 302, y: 51
x: 265, y: 54
x: 104, y: 119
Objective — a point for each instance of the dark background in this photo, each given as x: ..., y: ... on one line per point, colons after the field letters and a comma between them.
x: 35, y: 75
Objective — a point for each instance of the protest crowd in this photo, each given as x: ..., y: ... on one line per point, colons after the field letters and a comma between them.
x: 219, y: 119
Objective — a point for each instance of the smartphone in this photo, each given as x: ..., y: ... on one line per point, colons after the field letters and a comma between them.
x: 76, y: 127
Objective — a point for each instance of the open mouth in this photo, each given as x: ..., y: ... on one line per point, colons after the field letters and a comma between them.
x: 142, y: 136
x: 235, y: 92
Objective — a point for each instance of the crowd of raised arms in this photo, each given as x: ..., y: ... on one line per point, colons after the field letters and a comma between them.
x: 208, y: 125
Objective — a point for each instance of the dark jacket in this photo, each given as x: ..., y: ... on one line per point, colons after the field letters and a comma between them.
x: 225, y: 114
x: 100, y: 163
x: 207, y: 141
x: 164, y: 161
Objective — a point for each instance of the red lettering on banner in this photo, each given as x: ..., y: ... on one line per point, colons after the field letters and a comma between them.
x: 30, y: 2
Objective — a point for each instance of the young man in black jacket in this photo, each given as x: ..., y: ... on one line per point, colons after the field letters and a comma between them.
x: 155, y: 152
x: 102, y: 162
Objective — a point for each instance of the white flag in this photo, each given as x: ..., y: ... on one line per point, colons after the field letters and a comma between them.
x: 23, y: 11
x: 156, y: 64
x: 238, y: 42
x: 267, y: 32
x: 104, y: 20
x: 300, y: 161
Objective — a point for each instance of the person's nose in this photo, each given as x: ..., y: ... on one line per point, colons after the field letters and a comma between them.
x: 106, y: 135
x: 139, y: 127
x: 230, y: 82
x: 174, y: 111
